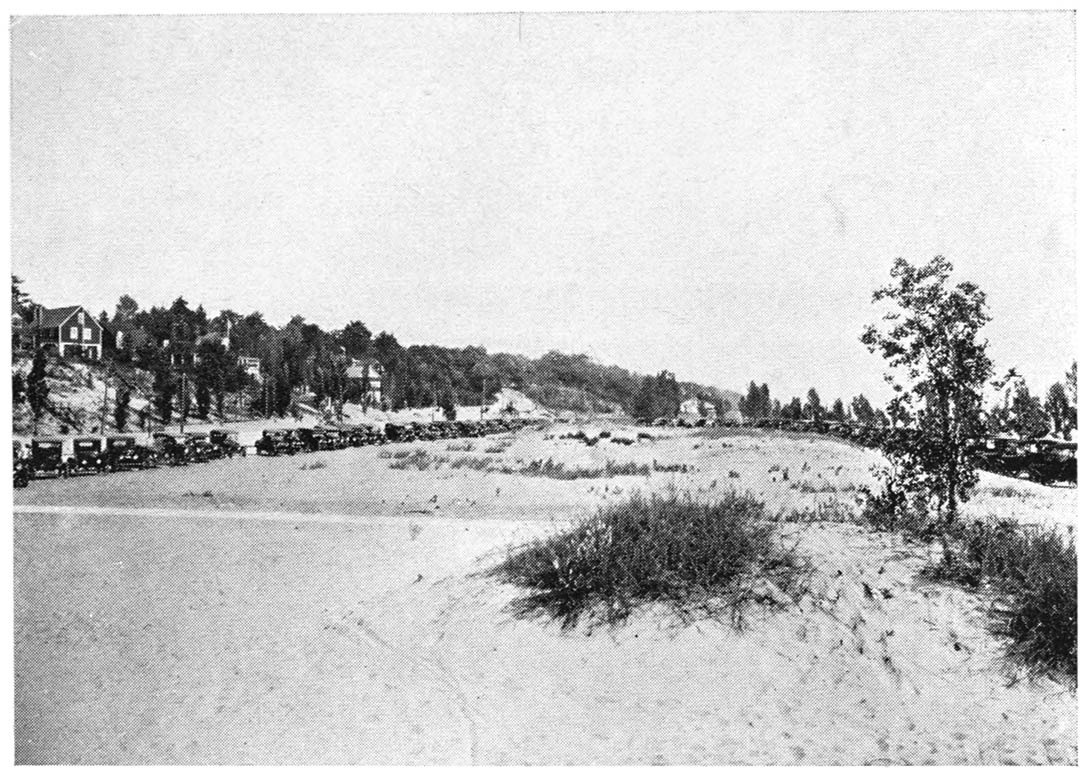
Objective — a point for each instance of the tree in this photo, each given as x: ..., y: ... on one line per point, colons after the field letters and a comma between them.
x: 1057, y: 406
x: 18, y: 388
x: 120, y: 410
x: 860, y: 406
x: 37, y: 388
x: 837, y: 412
x: 793, y: 409
x: 938, y: 366
x: 1071, y: 396
x: 813, y: 409
x: 1028, y: 419
x: 355, y: 339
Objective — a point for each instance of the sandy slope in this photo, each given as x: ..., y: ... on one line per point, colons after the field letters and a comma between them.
x: 207, y: 632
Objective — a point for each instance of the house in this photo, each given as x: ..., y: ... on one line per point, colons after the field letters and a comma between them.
x: 369, y: 375
x: 72, y: 331
x: 251, y: 365
x: 695, y: 409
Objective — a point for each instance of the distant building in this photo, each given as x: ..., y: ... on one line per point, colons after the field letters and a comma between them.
x: 251, y: 365
x: 370, y: 376
x: 695, y: 409
x: 71, y: 331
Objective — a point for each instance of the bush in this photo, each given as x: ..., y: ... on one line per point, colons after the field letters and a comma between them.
x: 1035, y: 571
x: 691, y: 555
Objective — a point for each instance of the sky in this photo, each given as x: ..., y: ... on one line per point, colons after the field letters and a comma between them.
x: 713, y: 194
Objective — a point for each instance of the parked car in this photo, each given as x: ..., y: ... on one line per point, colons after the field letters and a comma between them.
x: 309, y: 438
x: 123, y: 453
x: 87, y: 457
x: 226, y: 442
x: 200, y: 449
x: 20, y: 467
x: 275, y: 442
x: 47, y: 458
x: 332, y: 438
x: 171, y: 449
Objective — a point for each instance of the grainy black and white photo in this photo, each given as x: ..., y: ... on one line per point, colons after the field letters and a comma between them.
x: 544, y: 388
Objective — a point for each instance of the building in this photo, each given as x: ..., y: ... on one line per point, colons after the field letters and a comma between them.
x: 251, y: 365
x: 71, y: 331
x: 370, y: 377
x: 695, y: 409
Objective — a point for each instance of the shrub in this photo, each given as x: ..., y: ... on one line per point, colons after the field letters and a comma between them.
x: 417, y: 459
x: 313, y: 465
x: 693, y: 556
x: 481, y: 464
x: 1035, y: 573
x: 462, y: 447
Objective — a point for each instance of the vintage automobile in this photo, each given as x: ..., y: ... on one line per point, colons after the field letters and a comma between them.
x: 20, y: 467
x: 200, y: 449
x: 310, y: 439
x: 275, y: 442
x: 226, y: 442
x: 47, y: 458
x: 172, y: 449
x: 87, y: 457
x: 123, y: 453
x: 332, y: 438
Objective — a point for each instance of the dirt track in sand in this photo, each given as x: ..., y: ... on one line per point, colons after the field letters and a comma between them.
x: 175, y: 630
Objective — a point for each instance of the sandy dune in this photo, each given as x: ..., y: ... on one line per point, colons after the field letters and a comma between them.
x: 341, y: 615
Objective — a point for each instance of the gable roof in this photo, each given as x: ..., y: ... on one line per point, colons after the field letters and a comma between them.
x: 57, y: 316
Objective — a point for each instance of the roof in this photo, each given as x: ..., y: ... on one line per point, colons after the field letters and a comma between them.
x: 56, y: 316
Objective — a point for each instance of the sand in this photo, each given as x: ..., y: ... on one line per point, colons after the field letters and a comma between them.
x: 342, y: 615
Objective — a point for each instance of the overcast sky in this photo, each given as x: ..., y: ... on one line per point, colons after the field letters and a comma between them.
x: 713, y: 194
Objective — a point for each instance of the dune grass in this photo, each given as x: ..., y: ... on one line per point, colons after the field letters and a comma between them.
x: 1034, y: 574
x: 697, y: 557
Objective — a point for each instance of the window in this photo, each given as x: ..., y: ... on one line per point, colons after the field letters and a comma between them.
x: 73, y: 333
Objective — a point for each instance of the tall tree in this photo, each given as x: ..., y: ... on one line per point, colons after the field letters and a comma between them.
x: 938, y: 365
x: 1057, y: 407
x: 813, y: 409
x: 837, y: 412
x: 120, y: 409
x: 860, y: 406
x: 37, y: 387
x: 1028, y: 419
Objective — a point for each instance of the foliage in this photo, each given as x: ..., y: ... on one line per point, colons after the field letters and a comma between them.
x: 668, y: 549
x: 37, y: 388
x: 18, y: 388
x: 862, y: 409
x: 937, y: 366
x: 813, y: 409
x: 1036, y: 572
x: 659, y: 397
x: 120, y: 409
x: 756, y: 404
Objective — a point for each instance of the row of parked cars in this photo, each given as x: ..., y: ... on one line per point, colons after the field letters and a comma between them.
x: 94, y: 455
x: 289, y: 441
x: 46, y: 457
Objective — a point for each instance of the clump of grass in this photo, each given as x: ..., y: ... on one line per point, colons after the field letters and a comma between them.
x: 1009, y: 491
x: 696, y: 557
x: 480, y: 464
x: 462, y: 447
x: 313, y: 465
x: 831, y: 511
x: 668, y: 468
x: 397, y: 454
x: 500, y: 447
x: 417, y: 459
x: 1034, y: 572
x: 825, y: 487
x: 558, y: 471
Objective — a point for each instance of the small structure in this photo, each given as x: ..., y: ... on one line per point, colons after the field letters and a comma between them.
x: 369, y: 375
x: 72, y: 331
x: 694, y: 409
x: 251, y: 365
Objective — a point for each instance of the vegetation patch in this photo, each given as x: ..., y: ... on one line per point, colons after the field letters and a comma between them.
x: 1033, y: 573
x: 313, y: 465
x: 479, y: 464
x: 700, y: 558
x: 1009, y: 491
x: 460, y: 447
x: 419, y: 460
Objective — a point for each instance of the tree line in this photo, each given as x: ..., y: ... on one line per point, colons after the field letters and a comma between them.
x: 195, y: 370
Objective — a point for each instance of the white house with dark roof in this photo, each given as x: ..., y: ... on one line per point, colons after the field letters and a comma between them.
x: 72, y: 331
